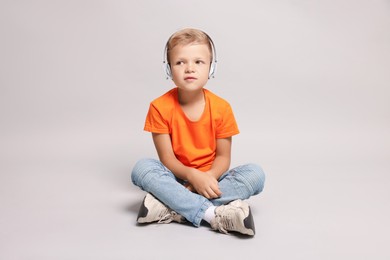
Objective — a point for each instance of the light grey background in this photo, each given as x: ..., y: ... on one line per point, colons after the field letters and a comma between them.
x: 309, y: 84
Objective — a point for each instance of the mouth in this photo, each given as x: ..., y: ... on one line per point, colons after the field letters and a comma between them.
x: 189, y: 78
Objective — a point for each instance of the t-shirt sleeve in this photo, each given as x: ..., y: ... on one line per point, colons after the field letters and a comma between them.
x: 155, y: 121
x: 228, y: 125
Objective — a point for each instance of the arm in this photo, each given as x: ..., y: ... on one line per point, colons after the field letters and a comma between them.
x: 205, y: 184
x: 221, y: 162
x: 222, y: 158
x: 163, y: 145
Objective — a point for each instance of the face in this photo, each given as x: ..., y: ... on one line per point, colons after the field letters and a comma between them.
x: 190, y: 65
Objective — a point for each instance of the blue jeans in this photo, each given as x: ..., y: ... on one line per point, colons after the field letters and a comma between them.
x: 238, y: 183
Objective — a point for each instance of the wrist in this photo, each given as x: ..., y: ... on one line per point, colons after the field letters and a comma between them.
x: 213, y: 174
x: 190, y: 173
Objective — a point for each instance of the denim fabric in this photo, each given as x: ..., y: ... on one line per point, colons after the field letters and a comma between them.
x: 238, y: 183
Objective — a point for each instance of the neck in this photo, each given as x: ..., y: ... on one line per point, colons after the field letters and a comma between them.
x: 190, y: 97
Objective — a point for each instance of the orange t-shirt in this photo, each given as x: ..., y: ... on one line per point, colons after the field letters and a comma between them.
x: 194, y: 143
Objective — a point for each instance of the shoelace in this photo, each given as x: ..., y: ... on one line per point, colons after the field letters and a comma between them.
x: 169, y: 217
x: 223, y: 223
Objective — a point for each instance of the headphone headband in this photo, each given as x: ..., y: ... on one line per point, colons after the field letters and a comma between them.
x: 213, y: 64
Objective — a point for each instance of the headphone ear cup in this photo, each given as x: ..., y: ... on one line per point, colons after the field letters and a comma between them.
x: 168, y: 70
x: 212, y: 70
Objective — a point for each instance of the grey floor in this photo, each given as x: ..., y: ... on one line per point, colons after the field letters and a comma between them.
x: 308, y: 82
x: 329, y: 202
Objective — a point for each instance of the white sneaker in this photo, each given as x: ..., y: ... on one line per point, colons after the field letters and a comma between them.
x: 152, y: 210
x: 235, y: 216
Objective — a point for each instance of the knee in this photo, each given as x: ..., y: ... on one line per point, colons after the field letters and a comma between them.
x: 256, y: 177
x: 141, y: 169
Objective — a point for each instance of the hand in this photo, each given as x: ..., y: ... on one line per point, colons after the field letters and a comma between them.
x: 190, y: 187
x: 204, y: 184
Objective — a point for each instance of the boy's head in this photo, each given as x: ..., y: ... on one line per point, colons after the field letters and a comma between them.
x: 189, y: 36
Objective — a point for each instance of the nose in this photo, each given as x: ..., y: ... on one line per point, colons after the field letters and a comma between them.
x: 190, y: 67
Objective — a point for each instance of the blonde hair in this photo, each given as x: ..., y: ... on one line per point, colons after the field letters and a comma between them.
x: 188, y: 36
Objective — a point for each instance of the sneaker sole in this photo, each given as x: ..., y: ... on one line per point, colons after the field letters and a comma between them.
x: 143, y: 211
x: 249, y: 223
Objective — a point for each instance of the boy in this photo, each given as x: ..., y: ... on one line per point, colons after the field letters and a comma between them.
x: 192, y: 131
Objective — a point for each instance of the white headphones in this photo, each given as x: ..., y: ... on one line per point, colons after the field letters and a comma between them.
x: 213, y: 64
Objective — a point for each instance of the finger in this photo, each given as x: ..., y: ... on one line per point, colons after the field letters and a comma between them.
x: 190, y: 188
x: 212, y: 194
x: 216, y: 190
x: 209, y: 194
x: 206, y: 195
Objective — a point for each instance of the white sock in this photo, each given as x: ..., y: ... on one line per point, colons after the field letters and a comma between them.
x: 209, y: 214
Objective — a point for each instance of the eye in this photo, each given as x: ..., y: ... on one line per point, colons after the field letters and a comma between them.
x: 199, y: 62
x: 179, y: 62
